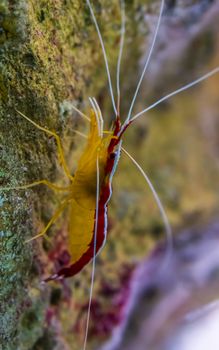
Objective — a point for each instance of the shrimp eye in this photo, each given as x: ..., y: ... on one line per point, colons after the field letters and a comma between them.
x: 112, y: 155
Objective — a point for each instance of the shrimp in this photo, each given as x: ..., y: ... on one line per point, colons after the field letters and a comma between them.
x: 89, y: 191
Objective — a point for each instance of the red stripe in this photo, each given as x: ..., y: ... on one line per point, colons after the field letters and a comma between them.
x: 105, y: 193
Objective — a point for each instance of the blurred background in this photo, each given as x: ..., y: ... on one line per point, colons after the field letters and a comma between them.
x: 175, y: 307
x: 141, y: 302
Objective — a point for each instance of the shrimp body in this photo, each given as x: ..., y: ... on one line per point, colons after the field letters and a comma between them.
x: 82, y: 207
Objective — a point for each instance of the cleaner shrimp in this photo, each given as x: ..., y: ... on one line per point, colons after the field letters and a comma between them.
x: 90, y: 188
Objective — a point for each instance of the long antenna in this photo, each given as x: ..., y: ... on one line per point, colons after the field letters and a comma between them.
x: 160, y: 206
x: 96, y: 115
x: 183, y: 88
x: 104, y: 55
x: 147, y: 61
x: 121, y: 46
x: 94, y: 256
x: 80, y: 113
x: 100, y: 115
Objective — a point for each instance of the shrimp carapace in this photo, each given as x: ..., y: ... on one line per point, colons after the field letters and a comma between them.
x: 106, y: 148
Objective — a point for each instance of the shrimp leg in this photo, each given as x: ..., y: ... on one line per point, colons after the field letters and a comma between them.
x: 58, y: 141
x: 52, y: 220
x: 36, y: 183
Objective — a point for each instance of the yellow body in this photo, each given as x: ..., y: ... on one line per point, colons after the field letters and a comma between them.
x: 81, y: 194
x: 84, y: 189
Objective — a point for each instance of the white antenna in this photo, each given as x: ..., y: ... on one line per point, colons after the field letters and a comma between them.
x: 104, y: 54
x: 96, y: 115
x: 79, y: 112
x: 147, y: 61
x: 121, y: 46
x: 94, y: 257
x: 100, y: 115
x: 160, y: 206
x: 183, y: 88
